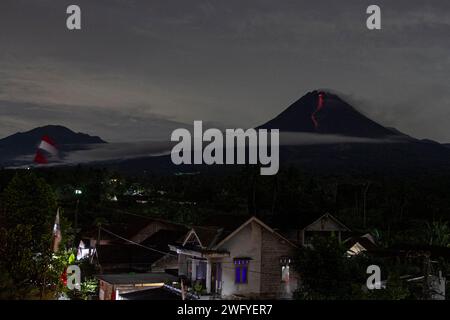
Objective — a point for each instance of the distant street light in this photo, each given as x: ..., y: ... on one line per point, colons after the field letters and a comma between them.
x: 78, y: 192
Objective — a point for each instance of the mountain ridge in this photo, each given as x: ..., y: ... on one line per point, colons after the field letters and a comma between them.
x: 54, y: 131
x: 326, y: 113
x: 25, y: 143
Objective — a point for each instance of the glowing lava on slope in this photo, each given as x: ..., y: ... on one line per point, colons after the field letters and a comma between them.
x: 320, y: 103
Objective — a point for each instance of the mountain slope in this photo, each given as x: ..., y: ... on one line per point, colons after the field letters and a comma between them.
x: 25, y: 143
x: 330, y: 136
x: 386, y: 149
x: 325, y: 127
x: 326, y: 113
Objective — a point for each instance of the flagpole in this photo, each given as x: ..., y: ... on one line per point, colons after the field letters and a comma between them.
x: 52, y: 246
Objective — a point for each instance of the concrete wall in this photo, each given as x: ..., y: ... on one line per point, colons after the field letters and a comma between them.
x: 105, y: 290
x: 246, y: 243
x: 274, y: 248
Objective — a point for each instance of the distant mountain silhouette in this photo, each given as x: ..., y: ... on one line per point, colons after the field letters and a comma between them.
x: 387, y: 149
x: 320, y: 114
x: 326, y: 113
x: 25, y: 143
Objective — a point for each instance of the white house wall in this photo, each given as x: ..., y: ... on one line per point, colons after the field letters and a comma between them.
x: 246, y: 243
x: 274, y: 248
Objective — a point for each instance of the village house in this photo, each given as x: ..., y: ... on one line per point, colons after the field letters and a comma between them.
x: 249, y: 261
x: 360, y: 244
x: 112, y: 286
x: 131, y: 246
x: 324, y: 226
x: 229, y: 257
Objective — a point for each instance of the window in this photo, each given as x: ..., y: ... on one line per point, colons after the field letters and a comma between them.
x: 285, y: 263
x: 284, y: 273
x: 241, y: 270
x: 201, y: 270
x: 241, y: 274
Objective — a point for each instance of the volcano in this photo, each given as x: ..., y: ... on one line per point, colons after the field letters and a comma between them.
x: 326, y: 113
x: 357, y: 142
x: 319, y: 133
x: 323, y: 134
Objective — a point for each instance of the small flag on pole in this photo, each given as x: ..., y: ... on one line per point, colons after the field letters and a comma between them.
x: 56, y: 233
x: 39, y: 158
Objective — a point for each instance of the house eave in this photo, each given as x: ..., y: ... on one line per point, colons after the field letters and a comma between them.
x: 199, y: 253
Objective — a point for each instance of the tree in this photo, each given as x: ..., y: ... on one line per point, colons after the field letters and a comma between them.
x: 438, y: 233
x: 395, y: 289
x: 28, y: 208
x: 327, y: 274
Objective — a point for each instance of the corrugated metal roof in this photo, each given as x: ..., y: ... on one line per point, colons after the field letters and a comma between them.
x: 137, y: 278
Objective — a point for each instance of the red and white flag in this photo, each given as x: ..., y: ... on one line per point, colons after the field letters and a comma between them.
x: 47, y: 145
x: 56, y: 233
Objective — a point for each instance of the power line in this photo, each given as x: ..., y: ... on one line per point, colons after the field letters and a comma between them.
x: 136, y: 243
x: 168, y: 253
x: 174, y: 255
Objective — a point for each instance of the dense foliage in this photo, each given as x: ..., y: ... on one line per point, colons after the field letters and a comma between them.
x: 27, y: 216
x: 327, y: 273
x: 397, y: 209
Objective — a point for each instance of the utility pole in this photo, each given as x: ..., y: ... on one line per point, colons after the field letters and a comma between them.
x: 183, y: 293
x: 76, y: 216
x: 426, y: 276
x: 97, y: 244
x: 366, y: 189
x: 77, y: 193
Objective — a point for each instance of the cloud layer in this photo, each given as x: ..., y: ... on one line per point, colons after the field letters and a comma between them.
x: 140, y: 68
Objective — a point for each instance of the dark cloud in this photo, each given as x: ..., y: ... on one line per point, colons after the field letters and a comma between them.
x: 129, y: 125
x: 131, y: 150
x: 236, y: 63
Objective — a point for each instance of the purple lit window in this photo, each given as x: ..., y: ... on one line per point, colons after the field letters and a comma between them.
x: 244, y: 274
x: 237, y: 275
x: 241, y: 270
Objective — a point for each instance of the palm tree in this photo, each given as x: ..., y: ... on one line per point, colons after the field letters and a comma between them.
x: 438, y: 233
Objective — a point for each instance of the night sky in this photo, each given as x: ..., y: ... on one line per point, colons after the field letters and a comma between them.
x: 139, y: 69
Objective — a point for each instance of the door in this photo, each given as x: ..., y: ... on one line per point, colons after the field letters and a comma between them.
x: 216, y: 277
